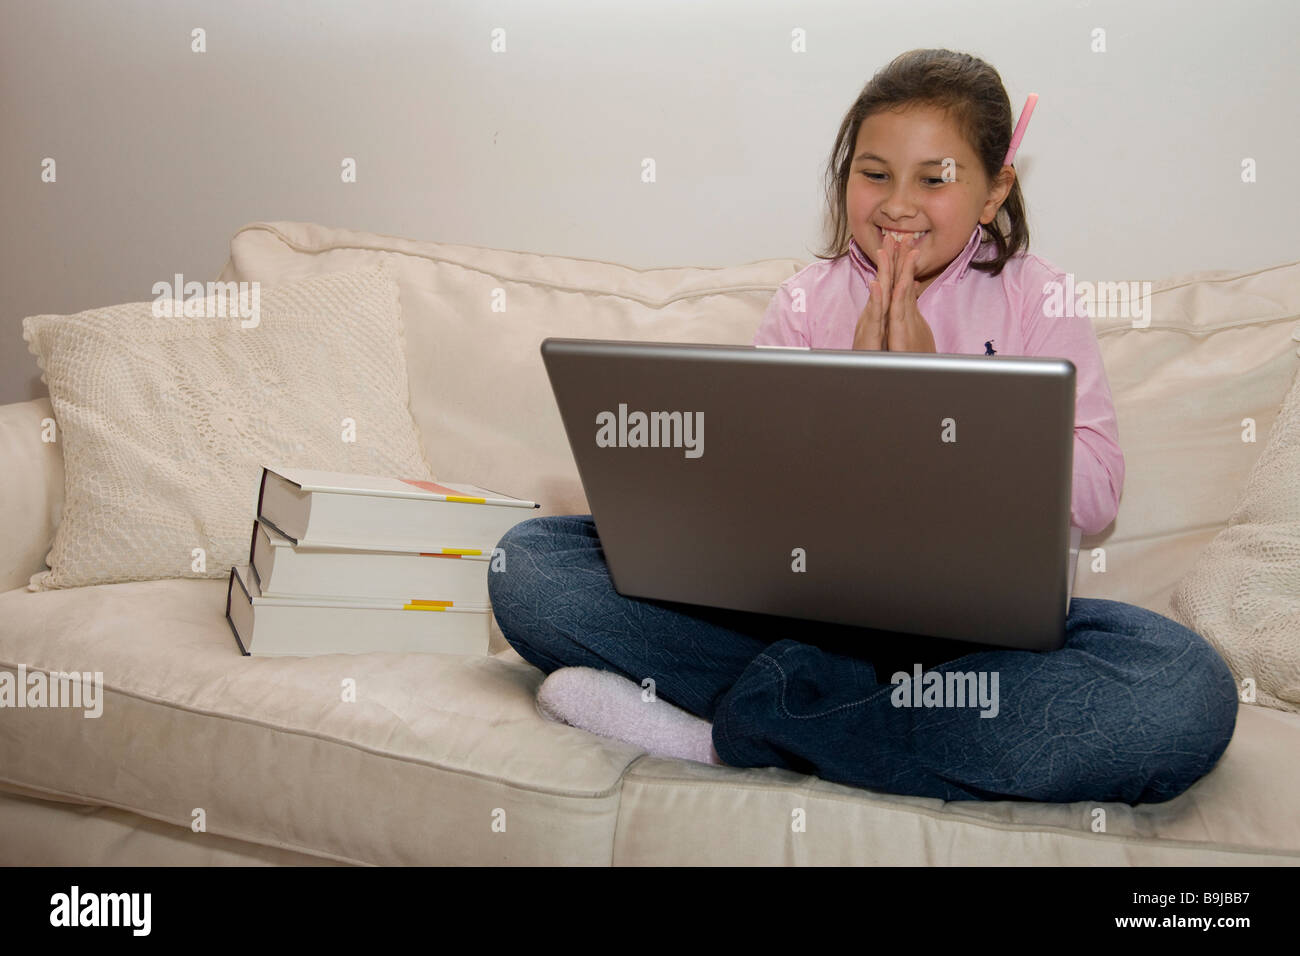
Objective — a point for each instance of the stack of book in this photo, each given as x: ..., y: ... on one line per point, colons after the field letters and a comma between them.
x: 348, y: 564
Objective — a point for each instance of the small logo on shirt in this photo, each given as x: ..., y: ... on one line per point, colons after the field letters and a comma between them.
x: 989, y: 349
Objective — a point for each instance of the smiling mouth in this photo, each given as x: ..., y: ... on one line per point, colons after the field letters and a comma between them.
x: 903, y: 237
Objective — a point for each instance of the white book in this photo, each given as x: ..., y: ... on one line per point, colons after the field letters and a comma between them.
x: 336, y: 510
x: 300, y: 627
x: 455, y: 575
x: 1072, y: 565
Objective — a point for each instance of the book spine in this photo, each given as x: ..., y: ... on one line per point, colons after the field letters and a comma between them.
x: 230, y: 596
x: 288, y: 630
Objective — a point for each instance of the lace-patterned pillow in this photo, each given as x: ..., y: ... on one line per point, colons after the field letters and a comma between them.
x: 1243, y: 593
x: 165, y: 423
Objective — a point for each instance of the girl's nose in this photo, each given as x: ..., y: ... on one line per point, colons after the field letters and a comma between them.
x: 898, y: 205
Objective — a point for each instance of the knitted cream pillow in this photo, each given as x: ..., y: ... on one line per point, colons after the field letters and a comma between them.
x: 165, y: 423
x: 1243, y: 593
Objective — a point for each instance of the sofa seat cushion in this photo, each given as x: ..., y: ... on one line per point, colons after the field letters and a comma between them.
x: 434, y: 751
x: 1241, y: 813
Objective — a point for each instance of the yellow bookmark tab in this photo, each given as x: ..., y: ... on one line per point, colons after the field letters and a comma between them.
x: 461, y: 551
x: 427, y: 606
x: 467, y: 500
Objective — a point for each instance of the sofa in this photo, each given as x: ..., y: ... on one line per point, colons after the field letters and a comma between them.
x: 206, y: 757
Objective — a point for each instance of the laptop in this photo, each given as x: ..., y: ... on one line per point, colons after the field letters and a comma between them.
x: 916, y: 493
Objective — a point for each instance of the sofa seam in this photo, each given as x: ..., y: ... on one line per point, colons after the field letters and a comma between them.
x: 228, y: 834
x: 318, y: 249
x: 1195, y: 529
x: 595, y: 794
x: 1209, y: 330
x: 618, y: 810
x: 1217, y: 276
x: 961, y: 818
x: 269, y: 226
x: 652, y: 303
x: 1225, y: 276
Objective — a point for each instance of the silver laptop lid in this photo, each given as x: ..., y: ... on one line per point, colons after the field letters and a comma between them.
x: 918, y: 493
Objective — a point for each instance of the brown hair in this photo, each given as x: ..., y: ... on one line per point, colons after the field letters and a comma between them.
x: 971, y: 93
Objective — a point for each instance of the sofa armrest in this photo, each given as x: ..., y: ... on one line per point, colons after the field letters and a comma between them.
x: 31, y: 490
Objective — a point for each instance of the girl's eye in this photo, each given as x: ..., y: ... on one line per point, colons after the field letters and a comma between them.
x: 928, y: 180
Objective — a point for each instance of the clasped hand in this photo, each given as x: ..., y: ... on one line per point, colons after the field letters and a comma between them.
x: 891, y: 322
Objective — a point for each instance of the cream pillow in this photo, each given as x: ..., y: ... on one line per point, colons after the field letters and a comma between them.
x: 165, y: 422
x: 1243, y: 594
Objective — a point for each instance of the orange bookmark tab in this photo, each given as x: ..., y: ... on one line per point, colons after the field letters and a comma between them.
x: 451, y: 493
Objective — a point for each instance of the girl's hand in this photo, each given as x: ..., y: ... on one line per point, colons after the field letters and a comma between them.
x: 905, y: 328
x: 872, y: 332
x: 891, y: 321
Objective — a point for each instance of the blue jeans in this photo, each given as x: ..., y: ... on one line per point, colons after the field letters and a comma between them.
x: 1134, y: 708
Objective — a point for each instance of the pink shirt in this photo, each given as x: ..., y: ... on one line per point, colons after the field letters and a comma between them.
x: 970, y: 312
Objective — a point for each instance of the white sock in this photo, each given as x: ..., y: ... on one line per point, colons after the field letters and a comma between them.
x: 608, y: 704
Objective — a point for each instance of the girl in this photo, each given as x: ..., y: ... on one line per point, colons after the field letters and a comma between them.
x: 927, y: 253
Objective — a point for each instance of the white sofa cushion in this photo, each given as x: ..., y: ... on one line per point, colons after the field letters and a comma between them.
x: 413, y: 772
x: 1220, y: 348
x: 32, y: 502
x: 166, y: 422
x: 436, y: 749
x: 1243, y: 594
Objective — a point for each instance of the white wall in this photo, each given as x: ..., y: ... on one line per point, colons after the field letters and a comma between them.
x: 1131, y: 166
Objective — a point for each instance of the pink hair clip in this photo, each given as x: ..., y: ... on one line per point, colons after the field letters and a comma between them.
x: 1019, y: 134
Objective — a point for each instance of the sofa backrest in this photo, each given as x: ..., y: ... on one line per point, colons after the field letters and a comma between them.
x: 1220, y: 348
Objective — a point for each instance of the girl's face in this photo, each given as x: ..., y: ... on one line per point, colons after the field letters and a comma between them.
x: 897, y: 182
